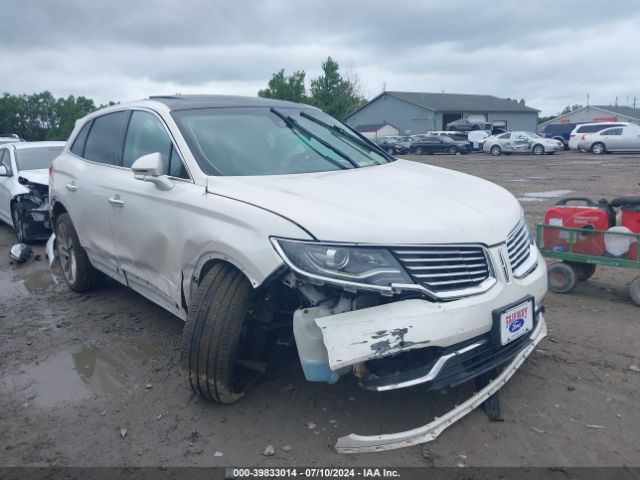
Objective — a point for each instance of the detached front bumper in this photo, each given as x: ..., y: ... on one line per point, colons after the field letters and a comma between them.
x: 360, y: 444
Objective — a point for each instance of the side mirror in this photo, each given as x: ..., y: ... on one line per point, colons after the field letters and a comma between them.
x: 3, y: 171
x: 149, y: 168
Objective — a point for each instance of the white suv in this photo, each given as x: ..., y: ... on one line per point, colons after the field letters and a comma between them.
x: 245, y: 216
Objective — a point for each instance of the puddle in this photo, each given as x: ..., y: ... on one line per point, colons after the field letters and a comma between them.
x: 32, y: 283
x: 548, y: 194
x: 530, y: 199
x: 69, y: 377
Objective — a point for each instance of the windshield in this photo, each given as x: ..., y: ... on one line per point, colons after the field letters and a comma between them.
x: 36, y: 158
x: 278, y: 141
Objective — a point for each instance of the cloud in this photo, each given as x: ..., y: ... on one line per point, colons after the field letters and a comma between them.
x: 550, y: 53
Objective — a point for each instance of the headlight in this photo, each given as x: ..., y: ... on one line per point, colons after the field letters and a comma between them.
x: 370, y: 267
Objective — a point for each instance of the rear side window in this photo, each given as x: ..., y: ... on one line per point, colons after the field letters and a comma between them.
x: 612, y: 131
x: 78, y: 144
x: 595, y: 128
x: 104, y: 142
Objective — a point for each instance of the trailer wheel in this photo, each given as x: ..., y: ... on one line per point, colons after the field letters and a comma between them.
x: 583, y: 271
x: 634, y: 290
x: 562, y: 277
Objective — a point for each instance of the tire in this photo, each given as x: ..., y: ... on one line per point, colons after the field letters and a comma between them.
x: 211, y: 340
x: 18, y: 226
x: 562, y: 278
x: 77, y: 271
x: 598, y: 148
x: 634, y: 290
x: 452, y: 150
x: 495, y: 150
x: 419, y: 151
x: 583, y: 271
x: 538, y: 150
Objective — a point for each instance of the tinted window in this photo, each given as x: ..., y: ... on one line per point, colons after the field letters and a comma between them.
x: 146, y: 134
x: 78, y: 144
x: 505, y: 135
x: 595, y: 128
x: 104, y: 141
x: 36, y: 158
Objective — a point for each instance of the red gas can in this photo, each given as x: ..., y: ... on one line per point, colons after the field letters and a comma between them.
x: 590, y: 216
x: 631, y: 218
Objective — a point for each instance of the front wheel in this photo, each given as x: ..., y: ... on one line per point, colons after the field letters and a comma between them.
x: 452, y: 150
x: 538, y: 150
x: 419, y: 151
x: 495, y: 150
x: 78, y: 272
x: 19, y: 226
x: 562, y: 278
x: 214, y: 340
x: 634, y: 290
x: 598, y: 148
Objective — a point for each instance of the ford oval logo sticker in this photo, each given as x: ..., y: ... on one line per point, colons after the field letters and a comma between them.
x: 516, y: 325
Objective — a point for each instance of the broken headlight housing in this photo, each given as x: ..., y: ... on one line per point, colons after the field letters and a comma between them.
x: 356, y: 266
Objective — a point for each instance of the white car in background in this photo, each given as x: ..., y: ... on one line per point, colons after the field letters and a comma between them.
x: 24, y: 187
x: 584, y: 128
x: 246, y: 216
x: 615, y: 139
x: 521, y: 142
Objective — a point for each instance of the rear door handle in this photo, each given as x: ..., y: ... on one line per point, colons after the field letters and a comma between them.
x: 72, y: 187
x: 116, y: 202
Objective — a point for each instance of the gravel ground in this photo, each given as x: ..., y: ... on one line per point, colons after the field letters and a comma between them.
x: 93, y: 380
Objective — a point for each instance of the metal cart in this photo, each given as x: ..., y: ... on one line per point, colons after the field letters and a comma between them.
x: 572, y: 246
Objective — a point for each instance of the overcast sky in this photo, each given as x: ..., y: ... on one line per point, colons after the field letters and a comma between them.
x: 552, y: 53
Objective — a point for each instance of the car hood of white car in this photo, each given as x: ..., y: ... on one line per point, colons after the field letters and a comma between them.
x: 40, y: 176
x: 401, y: 202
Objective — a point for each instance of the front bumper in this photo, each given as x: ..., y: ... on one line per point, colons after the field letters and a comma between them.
x: 359, y: 443
x: 371, y: 333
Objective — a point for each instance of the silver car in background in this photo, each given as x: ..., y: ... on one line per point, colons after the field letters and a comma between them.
x: 521, y: 142
x: 616, y: 139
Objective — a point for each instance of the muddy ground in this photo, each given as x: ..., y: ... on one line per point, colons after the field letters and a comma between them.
x: 93, y: 379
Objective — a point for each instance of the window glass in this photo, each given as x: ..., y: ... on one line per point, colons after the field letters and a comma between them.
x: 104, y: 141
x: 263, y: 141
x: 612, y: 131
x: 78, y: 144
x: 145, y: 135
x: 5, y: 160
x: 505, y: 135
x: 36, y: 158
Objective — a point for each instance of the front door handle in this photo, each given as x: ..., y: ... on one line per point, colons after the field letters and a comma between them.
x: 72, y: 187
x: 116, y: 202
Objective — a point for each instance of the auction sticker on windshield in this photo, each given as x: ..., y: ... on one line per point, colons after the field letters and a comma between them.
x: 515, y: 321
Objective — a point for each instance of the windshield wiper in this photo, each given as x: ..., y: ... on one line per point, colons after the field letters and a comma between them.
x: 353, y: 138
x: 293, y: 124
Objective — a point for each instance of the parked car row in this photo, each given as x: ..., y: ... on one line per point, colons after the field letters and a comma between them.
x: 596, y: 137
x: 521, y: 142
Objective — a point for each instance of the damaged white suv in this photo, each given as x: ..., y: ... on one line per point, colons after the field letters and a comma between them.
x: 244, y: 216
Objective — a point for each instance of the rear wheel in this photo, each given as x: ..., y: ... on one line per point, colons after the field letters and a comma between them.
x: 598, y: 148
x: 215, y: 340
x: 419, y: 151
x: 583, y: 271
x: 634, y: 290
x: 562, y: 278
x: 538, y: 150
x: 495, y: 150
x: 78, y: 272
x: 452, y: 150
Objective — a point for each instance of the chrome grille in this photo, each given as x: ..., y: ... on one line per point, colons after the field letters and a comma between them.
x: 446, y: 269
x: 520, y: 252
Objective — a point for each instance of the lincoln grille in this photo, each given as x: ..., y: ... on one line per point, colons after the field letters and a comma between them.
x: 519, y: 248
x: 445, y: 268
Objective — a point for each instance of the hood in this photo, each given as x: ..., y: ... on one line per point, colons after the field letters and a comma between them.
x: 40, y: 176
x: 401, y: 202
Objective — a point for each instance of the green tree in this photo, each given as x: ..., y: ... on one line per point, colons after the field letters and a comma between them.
x: 286, y: 87
x: 334, y: 93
